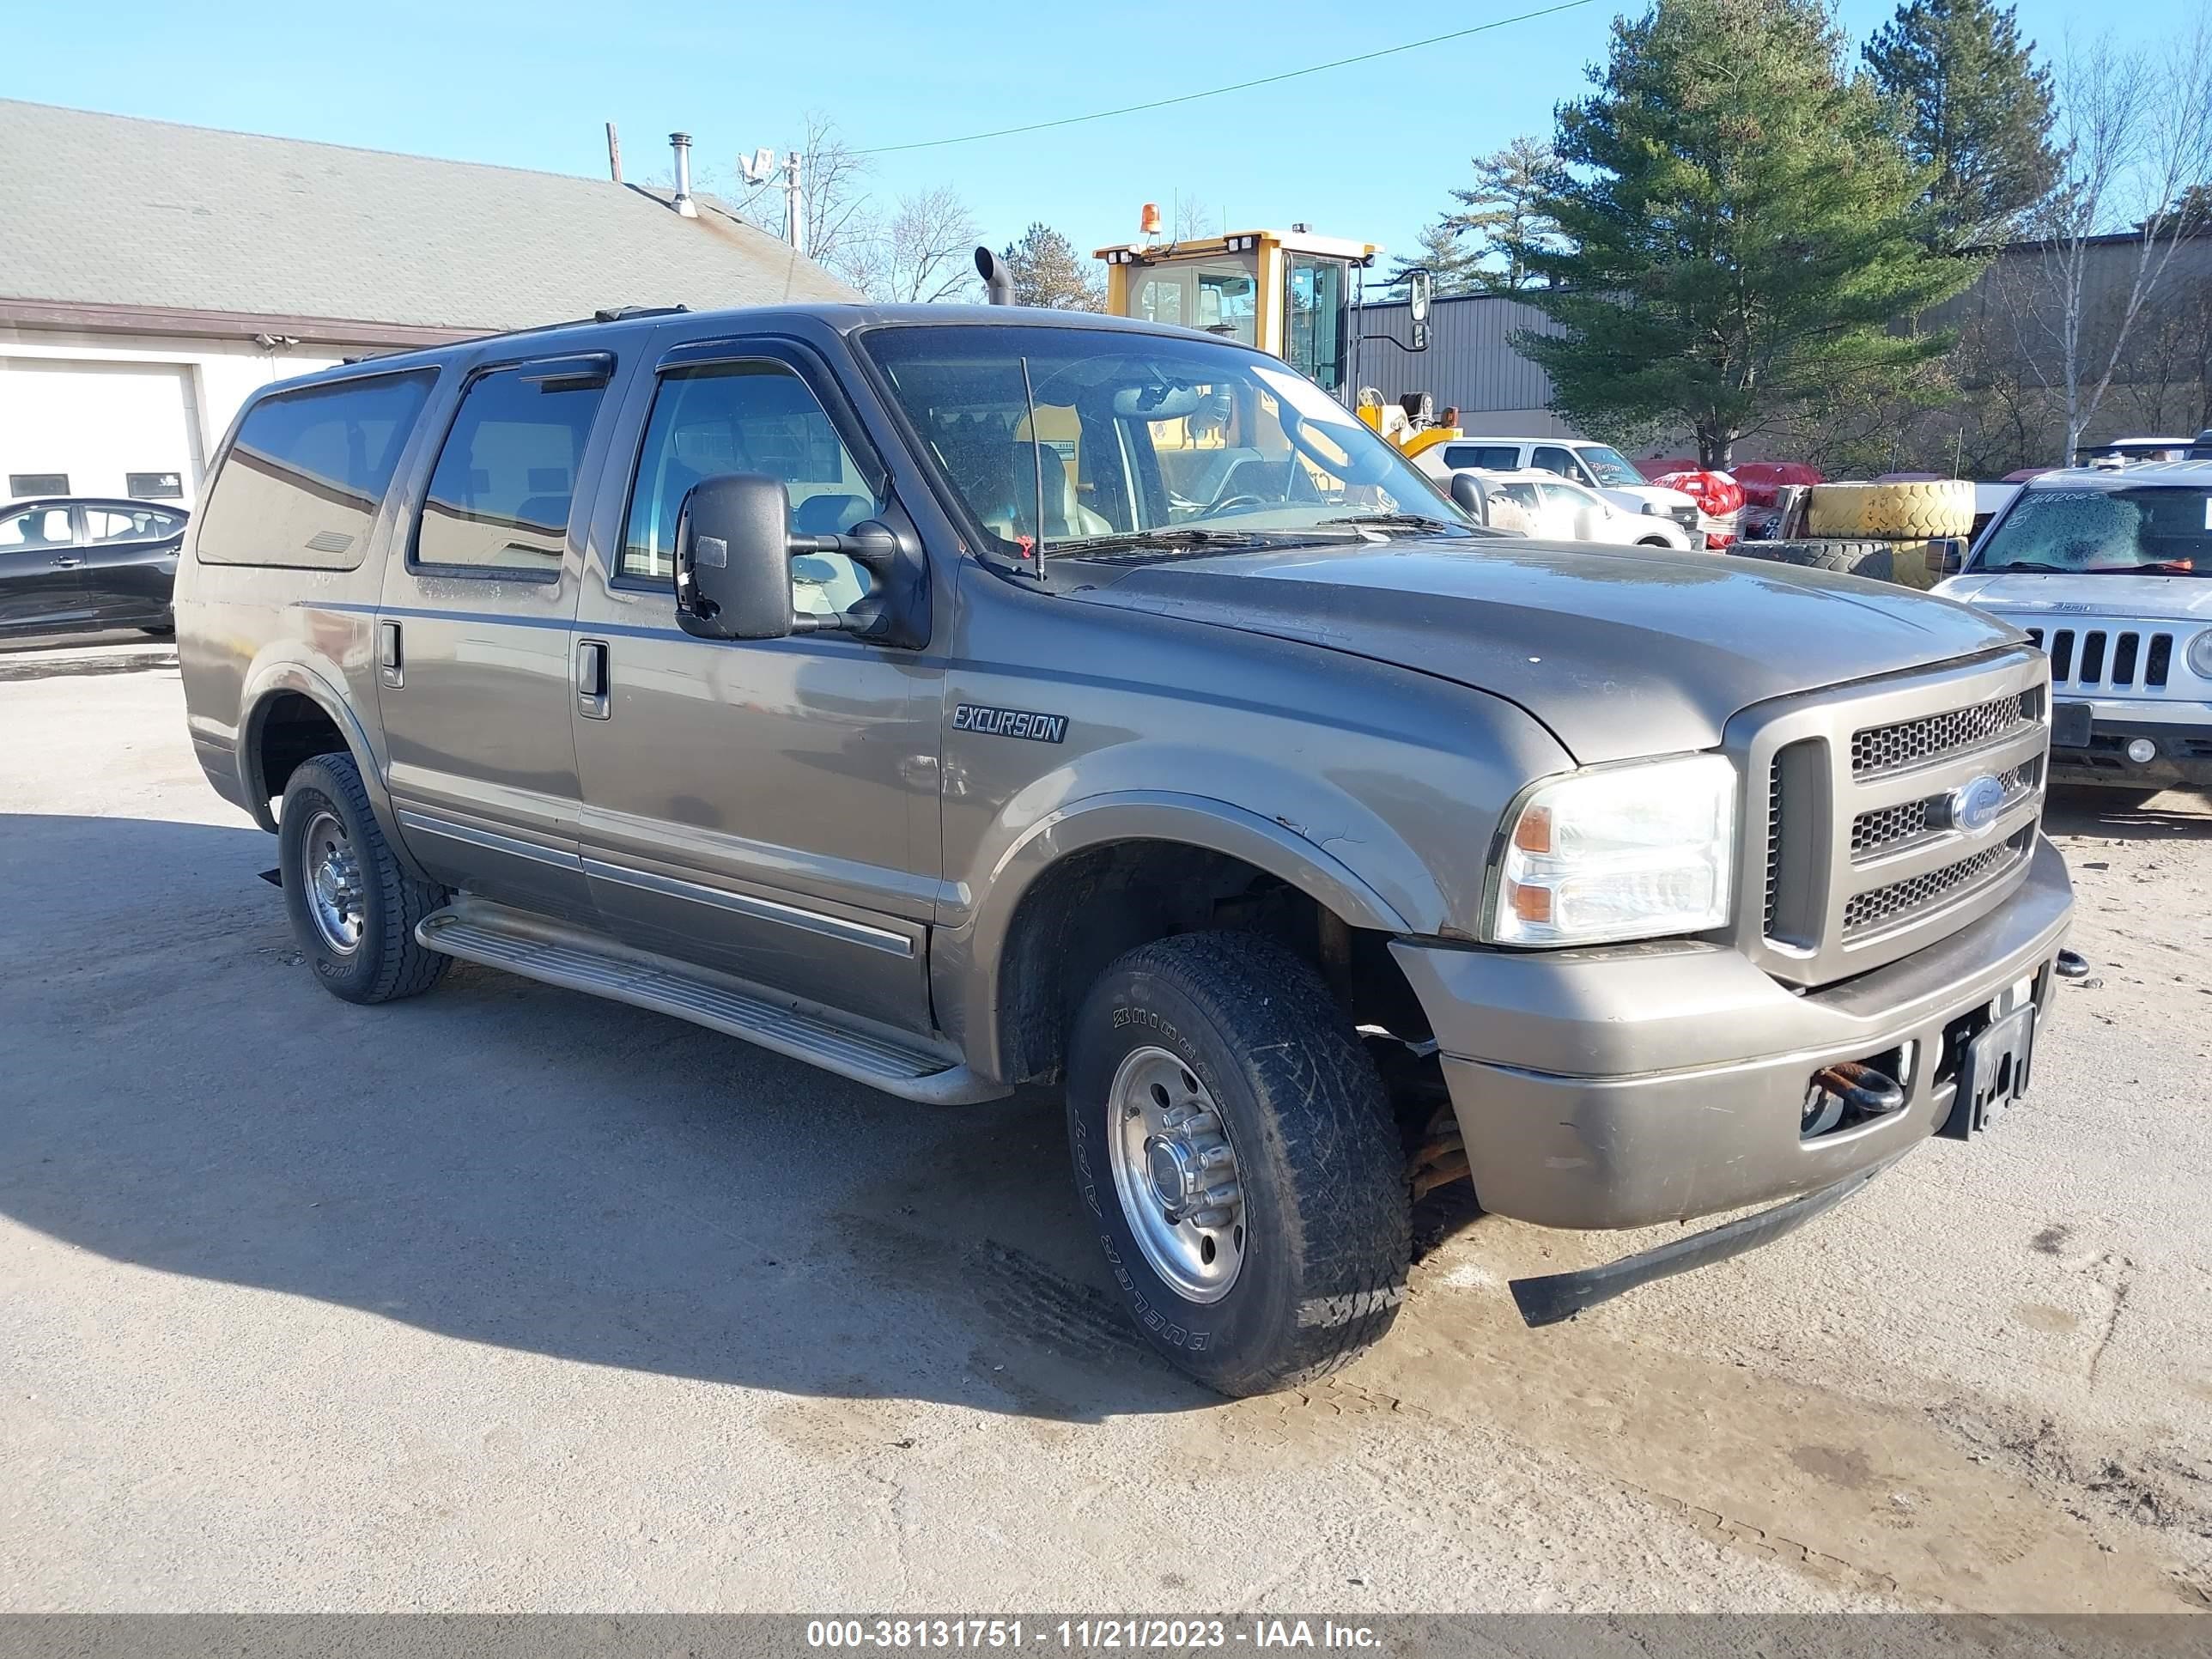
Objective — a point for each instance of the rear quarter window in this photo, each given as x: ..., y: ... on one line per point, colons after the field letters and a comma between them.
x: 1490, y: 457
x: 302, y: 482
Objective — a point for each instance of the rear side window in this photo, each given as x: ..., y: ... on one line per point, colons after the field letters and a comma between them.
x: 302, y: 482
x: 499, y: 498
x: 1491, y: 457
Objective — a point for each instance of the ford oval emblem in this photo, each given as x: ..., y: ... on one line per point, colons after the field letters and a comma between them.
x: 1975, y: 806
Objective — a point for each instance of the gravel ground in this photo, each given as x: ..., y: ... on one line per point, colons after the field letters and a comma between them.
x: 506, y: 1298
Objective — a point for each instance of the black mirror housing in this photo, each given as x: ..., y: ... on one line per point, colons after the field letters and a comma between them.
x: 733, y: 559
x: 1945, y: 557
x: 1469, y: 495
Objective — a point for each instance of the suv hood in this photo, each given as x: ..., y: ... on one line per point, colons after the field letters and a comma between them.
x: 2058, y: 596
x: 1621, y: 651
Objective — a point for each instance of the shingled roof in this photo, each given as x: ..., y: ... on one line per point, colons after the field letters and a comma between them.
x: 111, y: 213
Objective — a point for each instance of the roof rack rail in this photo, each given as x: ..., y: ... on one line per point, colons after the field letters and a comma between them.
x: 623, y: 313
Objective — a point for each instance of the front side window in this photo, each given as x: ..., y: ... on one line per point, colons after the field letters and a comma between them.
x: 1553, y: 458
x: 1119, y: 438
x: 35, y: 526
x: 757, y: 417
x: 2153, y: 529
x: 301, y: 485
x: 499, y: 495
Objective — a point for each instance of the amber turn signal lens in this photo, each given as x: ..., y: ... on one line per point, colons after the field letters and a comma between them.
x: 1534, y: 832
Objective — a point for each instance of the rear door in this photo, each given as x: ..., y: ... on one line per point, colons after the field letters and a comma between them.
x: 473, y: 633
x: 129, y: 567
x: 39, y: 563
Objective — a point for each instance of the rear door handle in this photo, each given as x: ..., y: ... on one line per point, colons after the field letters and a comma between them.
x: 390, y: 654
x: 593, y: 701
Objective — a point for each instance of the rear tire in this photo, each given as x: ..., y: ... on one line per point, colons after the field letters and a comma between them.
x: 1215, y: 1064
x: 354, y: 910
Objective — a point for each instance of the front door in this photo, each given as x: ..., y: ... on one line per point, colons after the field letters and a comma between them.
x: 42, y: 579
x: 767, y: 808
x: 473, y: 637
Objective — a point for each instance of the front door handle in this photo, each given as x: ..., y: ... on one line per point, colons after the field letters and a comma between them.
x: 68, y: 561
x: 593, y: 702
x: 390, y: 654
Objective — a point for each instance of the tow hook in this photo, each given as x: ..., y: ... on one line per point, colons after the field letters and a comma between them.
x: 1858, y: 1085
x: 2072, y: 964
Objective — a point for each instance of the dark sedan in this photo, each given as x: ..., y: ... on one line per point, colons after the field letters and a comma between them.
x: 70, y: 564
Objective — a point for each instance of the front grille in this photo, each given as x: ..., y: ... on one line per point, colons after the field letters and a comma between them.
x: 1879, y: 749
x: 1888, y: 828
x: 1685, y: 516
x: 1861, y: 864
x: 1900, y: 901
x: 2079, y: 657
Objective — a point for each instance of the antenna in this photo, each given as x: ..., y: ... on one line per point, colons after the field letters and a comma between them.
x: 1037, y: 453
x: 758, y: 168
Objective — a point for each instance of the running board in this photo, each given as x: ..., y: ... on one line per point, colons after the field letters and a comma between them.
x: 498, y: 937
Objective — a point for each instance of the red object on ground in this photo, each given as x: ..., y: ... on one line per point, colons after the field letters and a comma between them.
x: 1760, y: 479
x: 1718, y: 544
x: 1716, y: 495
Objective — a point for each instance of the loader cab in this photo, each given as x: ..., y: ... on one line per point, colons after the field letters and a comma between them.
x: 1290, y: 293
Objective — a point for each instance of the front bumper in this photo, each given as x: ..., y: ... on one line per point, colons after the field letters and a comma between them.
x: 2182, y: 745
x: 1629, y: 1086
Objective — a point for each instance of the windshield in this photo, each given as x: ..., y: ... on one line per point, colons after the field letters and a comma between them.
x: 2153, y: 529
x: 1145, y: 441
x: 1607, y: 467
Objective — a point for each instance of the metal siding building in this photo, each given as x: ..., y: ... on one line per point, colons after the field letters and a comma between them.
x: 1470, y: 362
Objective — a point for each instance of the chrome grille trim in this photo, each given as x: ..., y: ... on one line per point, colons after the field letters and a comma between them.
x: 1848, y: 861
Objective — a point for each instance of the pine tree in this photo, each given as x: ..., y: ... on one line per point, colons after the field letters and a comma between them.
x: 1048, y: 271
x: 1502, y: 213
x: 1737, y: 229
x: 1455, y: 268
x: 1973, y: 107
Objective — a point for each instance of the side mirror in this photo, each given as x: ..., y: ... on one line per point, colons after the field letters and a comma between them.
x: 733, y: 559
x: 1471, y: 497
x: 1946, y: 558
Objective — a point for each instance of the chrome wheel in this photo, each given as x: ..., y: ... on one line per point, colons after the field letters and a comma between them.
x: 334, y: 883
x: 1175, y: 1173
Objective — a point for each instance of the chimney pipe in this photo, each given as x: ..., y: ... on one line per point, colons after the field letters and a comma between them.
x: 614, y: 154
x: 681, y: 143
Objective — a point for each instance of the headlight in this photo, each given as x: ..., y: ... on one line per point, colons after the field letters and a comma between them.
x: 1628, y: 852
x: 2200, y: 655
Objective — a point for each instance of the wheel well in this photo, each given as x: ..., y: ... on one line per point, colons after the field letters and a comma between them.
x: 293, y: 728
x: 1092, y: 906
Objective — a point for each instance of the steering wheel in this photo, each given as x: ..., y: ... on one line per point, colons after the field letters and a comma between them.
x: 1246, y: 500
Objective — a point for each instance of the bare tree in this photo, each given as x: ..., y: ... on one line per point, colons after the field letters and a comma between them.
x: 1192, y: 219
x: 924, y: 252
x: 833, y: 203
x: 2135, y: 138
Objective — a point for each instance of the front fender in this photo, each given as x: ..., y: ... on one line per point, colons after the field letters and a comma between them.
x: 1389, y: 890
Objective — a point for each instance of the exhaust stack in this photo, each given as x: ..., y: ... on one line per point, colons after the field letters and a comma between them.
x: 998, y: 281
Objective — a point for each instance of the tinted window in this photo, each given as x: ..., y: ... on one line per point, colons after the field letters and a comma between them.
x: 748, y: 417
x: 1550, y: 457
x: 35, y: 526
x: 1494, y: 458
x: 499, y: 498
x: 132, y: 524
x: 301, y: 485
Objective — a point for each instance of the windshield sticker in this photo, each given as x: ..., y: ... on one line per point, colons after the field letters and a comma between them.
x: 1010, y: 723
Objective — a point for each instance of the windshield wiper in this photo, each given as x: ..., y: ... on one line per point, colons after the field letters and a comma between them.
x: 1181, y: 536
x: 1396, y: 521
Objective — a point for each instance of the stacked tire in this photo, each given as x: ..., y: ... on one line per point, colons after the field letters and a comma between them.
x: 1882, y: 532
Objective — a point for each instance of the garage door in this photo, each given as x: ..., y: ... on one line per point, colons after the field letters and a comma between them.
x: 94, y: 429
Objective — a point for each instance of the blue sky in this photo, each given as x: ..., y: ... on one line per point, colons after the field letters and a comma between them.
x: 1368, y: 150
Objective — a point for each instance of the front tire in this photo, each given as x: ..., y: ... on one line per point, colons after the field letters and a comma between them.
x: 354, y: 910
x: 1235, y: 1151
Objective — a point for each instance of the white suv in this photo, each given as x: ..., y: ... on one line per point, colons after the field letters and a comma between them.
x: 1599, y: 466
x: 2109, y: 569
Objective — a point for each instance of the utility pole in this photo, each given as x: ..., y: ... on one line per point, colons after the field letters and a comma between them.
x: 794, y: 199
x: 614, y: 154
